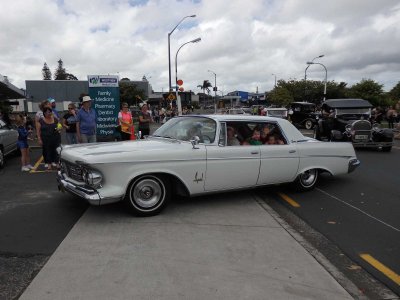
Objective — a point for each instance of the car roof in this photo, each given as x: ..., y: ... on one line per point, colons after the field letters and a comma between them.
x: 347, y: 103
x: 304, y: 103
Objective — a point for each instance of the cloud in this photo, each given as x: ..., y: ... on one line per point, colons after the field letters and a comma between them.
x: 243, y: 42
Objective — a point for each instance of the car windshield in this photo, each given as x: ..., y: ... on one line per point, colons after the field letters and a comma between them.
x: 186, y: 128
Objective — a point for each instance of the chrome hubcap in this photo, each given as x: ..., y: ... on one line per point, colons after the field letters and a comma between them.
x: 308, y: 177
x: 148, y: 192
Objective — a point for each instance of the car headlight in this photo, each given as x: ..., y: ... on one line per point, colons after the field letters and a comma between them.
x: 375, y: 126
x: 348, y: 127
x: 92, y: 178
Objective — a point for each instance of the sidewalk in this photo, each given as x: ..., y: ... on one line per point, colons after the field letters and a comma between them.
x: 220, y: 247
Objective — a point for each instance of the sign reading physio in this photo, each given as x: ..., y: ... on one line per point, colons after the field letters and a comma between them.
x: 104, y: 91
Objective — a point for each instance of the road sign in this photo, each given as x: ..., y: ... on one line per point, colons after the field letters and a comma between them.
x: 179, y: 81
x: 171, y: 96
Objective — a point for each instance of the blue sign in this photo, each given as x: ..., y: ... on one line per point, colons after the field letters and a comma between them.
x: 104, y: 91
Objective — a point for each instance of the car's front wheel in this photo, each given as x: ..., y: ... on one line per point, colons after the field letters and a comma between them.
x: 308, y: 124
x: 148, y: 195
x: 307, y: 180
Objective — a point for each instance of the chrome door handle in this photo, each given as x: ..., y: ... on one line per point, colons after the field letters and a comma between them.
x: 254, y: 152
x: 292, y: 151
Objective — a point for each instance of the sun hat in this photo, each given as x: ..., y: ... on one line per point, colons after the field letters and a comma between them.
x: 86, y: 98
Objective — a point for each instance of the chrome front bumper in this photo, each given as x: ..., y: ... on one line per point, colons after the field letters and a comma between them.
x: 353, y: 164
x: 90, y: 195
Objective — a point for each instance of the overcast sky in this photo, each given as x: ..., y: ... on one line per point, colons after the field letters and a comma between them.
x: 243, y: 42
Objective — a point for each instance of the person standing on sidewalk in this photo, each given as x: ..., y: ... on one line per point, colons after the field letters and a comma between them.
x: 69, y: 123
x: 86, y: 122
x: 22, y: 143
x: 54, y: 107
x: 126, y: 122
x: 49, y: 138
x: 144, y: 121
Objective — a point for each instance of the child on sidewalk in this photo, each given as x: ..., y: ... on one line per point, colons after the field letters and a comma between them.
x: 22, y: 144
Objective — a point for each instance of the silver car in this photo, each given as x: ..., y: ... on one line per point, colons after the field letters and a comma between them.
x: 8, y: 141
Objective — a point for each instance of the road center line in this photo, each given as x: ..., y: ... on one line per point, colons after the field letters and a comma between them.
x: 289, y: 200
x: 381, y: 267
x: 360, y: 210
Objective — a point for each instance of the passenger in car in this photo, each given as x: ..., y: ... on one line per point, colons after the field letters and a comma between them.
x: 274, y: 140
x: 255, y: 138
x: 231, y: 137
x: 265, y: 133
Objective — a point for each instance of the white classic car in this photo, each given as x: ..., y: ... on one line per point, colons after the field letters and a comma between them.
x: 194, y: 155
x: 8, y: 141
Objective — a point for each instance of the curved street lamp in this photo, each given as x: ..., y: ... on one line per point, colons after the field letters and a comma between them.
x: 178, y: 99
x: 169, y: 48
x: 326, y: 74
x: 215, y: 90
x: 305, y: 72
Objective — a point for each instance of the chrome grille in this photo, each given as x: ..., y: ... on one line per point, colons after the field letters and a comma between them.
x: 73, y: 171
x: 362, y: 125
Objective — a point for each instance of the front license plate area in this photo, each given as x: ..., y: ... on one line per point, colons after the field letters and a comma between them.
x: 361, y: 137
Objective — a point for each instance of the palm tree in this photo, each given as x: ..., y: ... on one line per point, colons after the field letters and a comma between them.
x: 205, y: 86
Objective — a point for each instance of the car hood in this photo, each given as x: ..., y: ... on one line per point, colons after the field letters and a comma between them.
x: 120, y: 151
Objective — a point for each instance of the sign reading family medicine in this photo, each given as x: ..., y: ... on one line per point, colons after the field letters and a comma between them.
x: 104, y: 90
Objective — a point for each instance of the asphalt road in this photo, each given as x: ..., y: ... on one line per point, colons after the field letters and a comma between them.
x: 359, y: 213
x: 34, y: 219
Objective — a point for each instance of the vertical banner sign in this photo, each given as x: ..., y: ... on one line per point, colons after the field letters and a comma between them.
x: 104, y: 91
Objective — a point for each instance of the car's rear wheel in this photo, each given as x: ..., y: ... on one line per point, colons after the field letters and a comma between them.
x: 308, y: 124
x: 307, y: 180
x: 148, y: 195
x: 2, y: 160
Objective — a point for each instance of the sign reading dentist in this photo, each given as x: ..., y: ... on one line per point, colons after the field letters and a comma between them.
x: 104, y: 91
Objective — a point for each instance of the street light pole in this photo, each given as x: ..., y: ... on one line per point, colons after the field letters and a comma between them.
x: 305, y: 72
x: 275, y: 79
x: 169, y: 48
x: 215, y: 90
x: 178, y: 98
x: 326, y: 75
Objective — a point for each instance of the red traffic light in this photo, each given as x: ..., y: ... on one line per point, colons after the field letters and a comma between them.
x: 179, y: 81
x: 181, y: 89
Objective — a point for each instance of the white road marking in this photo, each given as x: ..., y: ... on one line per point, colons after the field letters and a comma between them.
x: 360, y: 210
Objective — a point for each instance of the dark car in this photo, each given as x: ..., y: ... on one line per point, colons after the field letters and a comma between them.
x: 302, y: 114
x: 349, y: 120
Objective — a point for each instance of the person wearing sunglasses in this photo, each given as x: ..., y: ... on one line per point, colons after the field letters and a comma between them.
x: 69, y: 123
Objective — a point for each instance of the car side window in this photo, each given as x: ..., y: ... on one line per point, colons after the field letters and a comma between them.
x: 271, y: 134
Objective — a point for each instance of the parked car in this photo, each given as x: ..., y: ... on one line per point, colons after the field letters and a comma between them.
x: 8, y: 141
x: 189, y: 156
x: 302, y: 114
x: 349, y: 120
x: 277, y: 112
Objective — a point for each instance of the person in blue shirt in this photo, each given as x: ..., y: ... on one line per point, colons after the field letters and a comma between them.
x: 86, y: 122
x: 22, y: 144
x: 53, y: 107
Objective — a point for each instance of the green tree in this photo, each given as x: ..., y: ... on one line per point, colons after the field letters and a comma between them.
x: 370, y: 90
x: 394, y: 93
x: 280, y: 96
x: 61, y: 73
x: 46, y: 72
x: 129, y: 93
